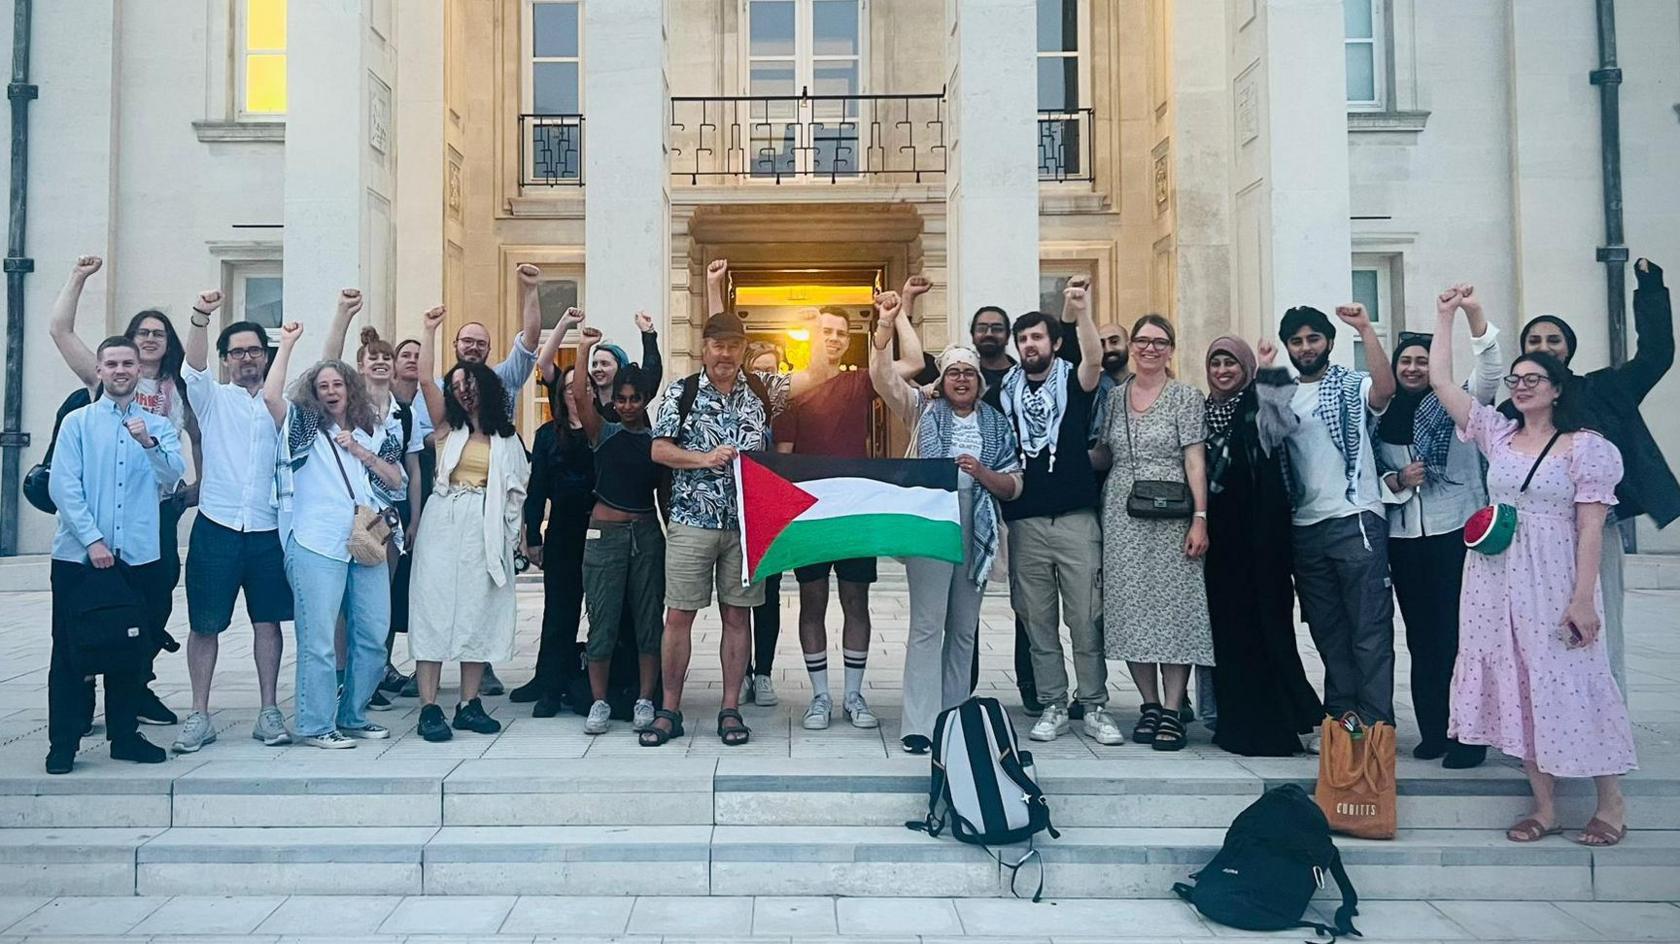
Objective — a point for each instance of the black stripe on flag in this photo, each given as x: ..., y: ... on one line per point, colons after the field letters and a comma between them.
x: 905, y: 473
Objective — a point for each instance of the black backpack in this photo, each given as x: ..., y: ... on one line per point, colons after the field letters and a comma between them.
x: 115, y: 628
x: 37, y: 480
x: 985, y: 784
x: 1276, y: 855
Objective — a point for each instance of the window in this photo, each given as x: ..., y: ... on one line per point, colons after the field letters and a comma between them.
x: 263, y: 58
x: 1053, y: 279
x: 555, y: 294
x: 257, y: 295
x: 1373, y: 287
x: 1061, y: 84
x: 797, y: 48
x: 1365, y: 65
x: 553, y: 98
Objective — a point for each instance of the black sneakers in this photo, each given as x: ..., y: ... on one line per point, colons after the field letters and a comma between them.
x: 60, y: 762
x: 139, y: 750
x: 527, y: 693
x: 547, y: 706
x: 152, y: 710
x: 470, y: 716
x: 393, y: 681
x: 490, y: 686
x: 433, y: 726
x: 379, y: 702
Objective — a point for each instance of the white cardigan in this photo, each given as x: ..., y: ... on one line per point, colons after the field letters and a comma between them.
x: 504, y: 495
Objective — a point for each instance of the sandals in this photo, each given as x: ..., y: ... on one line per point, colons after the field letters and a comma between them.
x: 1169, y: 732
x: 1530, y: 830
x: 655, y: 736
x: 1144, y: 733
x: 732, y: 735
x: 1599, y: 834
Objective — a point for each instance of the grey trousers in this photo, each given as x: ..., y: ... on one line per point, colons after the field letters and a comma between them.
x: 944, y: 621
x: 1341, y: 576
x: 1612, y: 588
x: 1055, y: 575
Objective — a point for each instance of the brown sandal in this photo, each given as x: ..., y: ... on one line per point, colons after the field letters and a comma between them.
x: 1530, y: 830
x: 1599, y: 834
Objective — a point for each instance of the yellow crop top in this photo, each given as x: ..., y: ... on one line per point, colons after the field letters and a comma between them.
x: 473, y: 470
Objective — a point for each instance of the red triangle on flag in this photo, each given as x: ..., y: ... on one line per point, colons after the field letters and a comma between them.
x: 769, y: 503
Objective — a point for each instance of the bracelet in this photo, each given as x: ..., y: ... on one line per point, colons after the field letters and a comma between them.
x: 200, y: 324
x: 1199, y: 514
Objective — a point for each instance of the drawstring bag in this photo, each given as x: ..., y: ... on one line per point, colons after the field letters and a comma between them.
x: 1491, y: 529
x: 1356, y: 779
x: 372, y: 528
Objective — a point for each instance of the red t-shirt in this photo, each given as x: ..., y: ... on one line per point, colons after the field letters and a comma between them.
x: 831, y: 419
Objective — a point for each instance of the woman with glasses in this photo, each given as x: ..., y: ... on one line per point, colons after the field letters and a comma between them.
x: 1155, y: 608
x: 1533, y: 675
x: 1432, y: 482
x: 959, y: 426
x: 1265, y: 700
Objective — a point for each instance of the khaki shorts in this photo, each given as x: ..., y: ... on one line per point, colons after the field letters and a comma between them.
x: 697, y: 559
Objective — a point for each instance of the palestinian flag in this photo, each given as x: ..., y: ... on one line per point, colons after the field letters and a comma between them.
x: 798, y: 510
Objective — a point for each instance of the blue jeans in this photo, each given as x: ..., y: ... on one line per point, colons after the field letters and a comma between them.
x: 322, y: 589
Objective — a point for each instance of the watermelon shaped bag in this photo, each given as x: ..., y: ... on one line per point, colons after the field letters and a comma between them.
x: 1491, y: 529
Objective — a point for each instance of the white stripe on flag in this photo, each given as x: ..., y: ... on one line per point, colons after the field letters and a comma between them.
x: 840, y: 497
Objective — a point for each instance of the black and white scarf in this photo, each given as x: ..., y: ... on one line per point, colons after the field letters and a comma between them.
x: 1036, y: 415
x: 1341, y: 408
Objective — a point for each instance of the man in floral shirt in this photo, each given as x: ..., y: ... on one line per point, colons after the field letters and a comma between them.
x: 697, y: 434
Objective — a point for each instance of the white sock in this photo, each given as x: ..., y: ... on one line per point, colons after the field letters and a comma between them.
x: 816, y: 663
x: 855, y: 662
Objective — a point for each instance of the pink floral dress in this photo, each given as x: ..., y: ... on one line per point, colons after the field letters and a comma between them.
x: 1517, y: 686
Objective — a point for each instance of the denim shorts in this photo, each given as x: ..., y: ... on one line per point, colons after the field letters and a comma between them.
x: 220, y: 563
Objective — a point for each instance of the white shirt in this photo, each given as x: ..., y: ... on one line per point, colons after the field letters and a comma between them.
x: 239, y: 439
x: 1316, y: 465
x: 965, y: 440
x: 322, y: 509
x: 514, y: 370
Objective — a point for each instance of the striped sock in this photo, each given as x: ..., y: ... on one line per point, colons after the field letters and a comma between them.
x: 856, y: 660
x: 816, y: 663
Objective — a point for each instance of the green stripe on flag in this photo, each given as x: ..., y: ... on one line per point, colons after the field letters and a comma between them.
x: 831, y: 539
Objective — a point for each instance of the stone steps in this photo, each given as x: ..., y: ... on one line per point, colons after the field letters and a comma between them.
x: 1086, y: 862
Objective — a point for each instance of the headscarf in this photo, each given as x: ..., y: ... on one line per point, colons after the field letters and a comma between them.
x: 1417, y: 420
x: 1563, y: 327
x: 959, y: 354
x: 1222, y: 408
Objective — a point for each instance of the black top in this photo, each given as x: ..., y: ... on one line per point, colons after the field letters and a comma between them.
x: 1072, y: 484
x: 562, y: 471
x: 994, y: 384
x: 625, y: 474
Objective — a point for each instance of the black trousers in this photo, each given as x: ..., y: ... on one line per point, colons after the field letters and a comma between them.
x: 557, y: 653
x: 69, y: 693
x: 1428, y: 573
x: 767, y: 627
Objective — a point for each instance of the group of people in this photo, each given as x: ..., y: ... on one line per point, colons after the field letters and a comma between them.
x: 1165, y: 527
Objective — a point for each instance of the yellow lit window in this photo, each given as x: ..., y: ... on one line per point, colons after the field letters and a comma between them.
x: 265, y: 57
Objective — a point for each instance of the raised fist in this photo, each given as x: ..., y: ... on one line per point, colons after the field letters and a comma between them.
x: 1266, y: 352
x: 290, y: 332
x: 916, y: 285
x: 1353, y: 315
x: 644, y: 322
x: 572, y: 318
x: 1447, y: 302
x: 137, y: 429
x: 1467, y: 299
x: 590, y: 335
x: 528, y: 274
x: 434, y: 317
x: 86, y: 266
x: 1077, y: 295
x: 349, y: 301
x: 889, y: 305
x: 717, y: 270
x: 208, y: 301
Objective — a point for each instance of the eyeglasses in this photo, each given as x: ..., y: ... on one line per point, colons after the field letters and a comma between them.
x: 150, y: 334
x: 991, y: 329
x: 474, y: 345
x: 1526, y: 381
x: 247, y: 353
x: 1416, y: 337
x: 1152, y: 344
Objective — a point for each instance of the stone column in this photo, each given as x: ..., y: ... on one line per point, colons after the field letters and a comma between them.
x: 992, y: 176
x: 420, y: 173
x: 626, y: 192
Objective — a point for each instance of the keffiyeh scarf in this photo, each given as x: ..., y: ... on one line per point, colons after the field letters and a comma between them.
x: 1341, y: 408
x: 1037, y: 414
x: 997, y: 447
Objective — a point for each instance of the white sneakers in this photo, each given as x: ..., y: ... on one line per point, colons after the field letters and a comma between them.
x: 1053, y: 723
x: 764, y: 692
x: 1101, y: 727
x: 857, y: 710
x: 816, y: 716
x: 600, y: 714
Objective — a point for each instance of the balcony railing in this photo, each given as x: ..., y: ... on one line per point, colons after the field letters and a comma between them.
x: 550, y: 151
x: 832, y: 138
x: 1065, y: 144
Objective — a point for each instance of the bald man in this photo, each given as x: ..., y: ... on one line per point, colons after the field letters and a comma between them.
x: 1114, y: 340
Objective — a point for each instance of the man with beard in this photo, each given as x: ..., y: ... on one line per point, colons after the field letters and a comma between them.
x: 112, y: 461
x: 989, y: 330
x: 472, y: 346
x: 1340, y: 528
x: 235, y: 542
x: 1055, y: 541
x: 1114, y: 342
x: 1611, y: 397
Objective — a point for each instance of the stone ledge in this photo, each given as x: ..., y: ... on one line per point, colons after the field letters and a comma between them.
x: 404, y: 777
x: 1406, y: 122
x: 286, y: 845
x: 573, y: 777
x: 240, y: 132
x: 521, y: 844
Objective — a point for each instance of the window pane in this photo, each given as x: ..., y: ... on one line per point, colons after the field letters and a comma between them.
x: 554, y: 296
x: 1365, y: 292
x: 556, y: 152
x: 554, y: 30
x: 1058, y: 25
x: 834, y: 27
x: 265, y: 24
x: 833, y: 78
x: 1356, y: 18
x: 1058, y: 83
x: 772, y: 78
x: 265, y: 84
x: 1050, y: 293
x: 1361, y: 72
x: 772, y: 27
x: 262, y: 300
x: 554, y: 88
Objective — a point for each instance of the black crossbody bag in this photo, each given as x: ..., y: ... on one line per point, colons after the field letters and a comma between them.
x: 1152, y: 498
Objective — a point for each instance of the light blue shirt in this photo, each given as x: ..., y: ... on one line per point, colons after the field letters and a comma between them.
x: 514, y: 371
x: 106, y: 485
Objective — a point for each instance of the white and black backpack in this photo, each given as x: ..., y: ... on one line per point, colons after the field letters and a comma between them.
x: 984, y: 782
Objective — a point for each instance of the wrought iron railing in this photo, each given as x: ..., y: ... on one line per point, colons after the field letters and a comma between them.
x: 821, y: 137
x: 1065, y: 144
x: 550, y: 151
